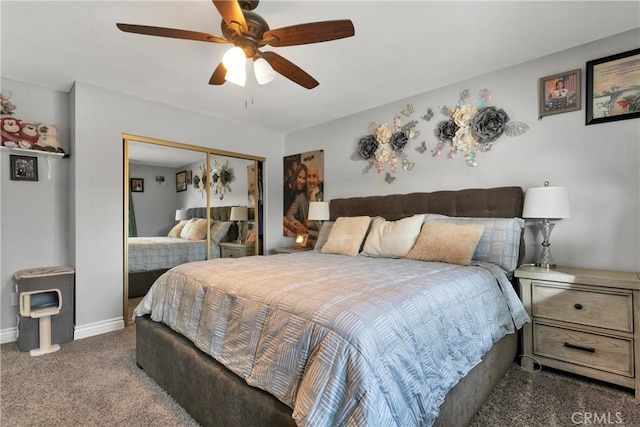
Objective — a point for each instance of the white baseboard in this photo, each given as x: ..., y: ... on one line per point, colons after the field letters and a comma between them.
x: 84, y: 331
x: 8, y: 335
x: 98, y: 328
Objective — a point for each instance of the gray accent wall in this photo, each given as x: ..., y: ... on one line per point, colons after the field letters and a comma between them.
x: 599, y: 164
x: 76, y: 219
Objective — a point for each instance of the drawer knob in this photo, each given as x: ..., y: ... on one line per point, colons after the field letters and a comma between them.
x: 578, y: 306
x: 579, y: 347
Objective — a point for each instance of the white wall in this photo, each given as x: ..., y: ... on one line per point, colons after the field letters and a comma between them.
x: 34, y: 223
x: 155, y: 207
x: 101, y: 116
x: 600, y: 164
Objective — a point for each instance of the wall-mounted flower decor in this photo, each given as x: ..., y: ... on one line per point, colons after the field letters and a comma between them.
x: 384, y: 145
x: 473, y: 128
x: 221, y: 177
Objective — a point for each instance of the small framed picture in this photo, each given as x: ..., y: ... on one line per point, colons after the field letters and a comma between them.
x: 560, y: 93
x: 137, y: 185
x: 613, y: 88
x: 181, y: 181
x: 23, y: 168
x: 251, y: 236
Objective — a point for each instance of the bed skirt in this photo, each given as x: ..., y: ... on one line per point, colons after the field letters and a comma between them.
x: 214, y: 396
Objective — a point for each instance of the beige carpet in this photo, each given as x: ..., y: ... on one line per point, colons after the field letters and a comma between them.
x: 95, y: 382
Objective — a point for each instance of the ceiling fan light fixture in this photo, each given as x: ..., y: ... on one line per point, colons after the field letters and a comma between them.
x: 236, y: 76
x: 234, y: 58
x: 263, y: 71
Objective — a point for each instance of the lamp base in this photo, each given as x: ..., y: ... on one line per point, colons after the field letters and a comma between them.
x: 546, y: 260
x: 546, y: 266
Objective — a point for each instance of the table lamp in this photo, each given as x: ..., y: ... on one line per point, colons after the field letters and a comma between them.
x: 318, y: 211
x: 181, y: 214
x: 239, y: 214
x: 546, y: 203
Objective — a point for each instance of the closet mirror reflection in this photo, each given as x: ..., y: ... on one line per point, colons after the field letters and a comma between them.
x: 173, y: 191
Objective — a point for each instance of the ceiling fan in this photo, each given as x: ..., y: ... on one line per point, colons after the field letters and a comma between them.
x: 249, y: 32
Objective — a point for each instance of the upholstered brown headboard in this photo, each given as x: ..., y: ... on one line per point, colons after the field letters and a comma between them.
x: 219, y: 213
x: 500, y: 202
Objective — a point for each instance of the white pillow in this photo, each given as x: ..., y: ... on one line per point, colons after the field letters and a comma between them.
x: 185, y: 230
x: 392, y: 239
x: 346, y: 235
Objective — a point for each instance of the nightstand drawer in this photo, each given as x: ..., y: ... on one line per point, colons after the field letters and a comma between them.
x: 582, y: 348
x: 604, y: 309
x: 236, y: 250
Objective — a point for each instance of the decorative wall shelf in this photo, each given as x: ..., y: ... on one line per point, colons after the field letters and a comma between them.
x: 48, y: 155
x: 38, y: 153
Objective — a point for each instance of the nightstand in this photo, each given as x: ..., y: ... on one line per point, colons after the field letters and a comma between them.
x: 583, y: 321
x: 236, y: 250
x: 291, y: 250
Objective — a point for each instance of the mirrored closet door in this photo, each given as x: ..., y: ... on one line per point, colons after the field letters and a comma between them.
x: 172, y: 192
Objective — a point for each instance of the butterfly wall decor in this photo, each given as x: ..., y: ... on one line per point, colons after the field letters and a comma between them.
x: 422, y: 147
x: 409, y: 111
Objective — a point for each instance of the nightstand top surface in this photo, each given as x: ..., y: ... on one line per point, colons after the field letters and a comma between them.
x: 290, y: 249
x: 589, y: 276
x: 236, y: 245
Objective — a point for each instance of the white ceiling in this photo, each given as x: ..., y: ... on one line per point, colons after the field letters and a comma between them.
x: 400, y: 49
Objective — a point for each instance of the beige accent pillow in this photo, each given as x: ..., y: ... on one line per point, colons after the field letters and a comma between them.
x: 392, y: 239
x: 346, y: 236
x: 452, y: 243
x: 187, y: 227
x: 198, y: 230
x: 177, y: 229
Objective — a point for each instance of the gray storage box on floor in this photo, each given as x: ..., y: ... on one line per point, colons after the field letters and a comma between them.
x: 62, y: 325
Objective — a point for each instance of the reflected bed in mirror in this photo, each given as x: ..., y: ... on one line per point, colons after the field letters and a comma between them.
x: 180, y: 178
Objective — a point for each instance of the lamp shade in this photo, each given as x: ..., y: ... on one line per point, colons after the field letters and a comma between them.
x: 318, y: 211
x: 239, y: 213
x: 546, y: 202
x: 181, y: 214
x: 263, y: 71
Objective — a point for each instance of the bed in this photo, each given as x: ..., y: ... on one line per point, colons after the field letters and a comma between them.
x: 332, y: 349
x: 149, y: 257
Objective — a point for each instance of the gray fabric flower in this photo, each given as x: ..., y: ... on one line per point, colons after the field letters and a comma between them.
x: 489, y: 124
x: 367, y: 147
x: 225, y: 177
x: 446, y: 130
x: 399, y: 140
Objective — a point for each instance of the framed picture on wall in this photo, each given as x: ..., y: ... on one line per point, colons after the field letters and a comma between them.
x: 181, y: 181
x: 559, y: 93
x: 613, y: 88
x: 136, y: 185
x: 23, y: 168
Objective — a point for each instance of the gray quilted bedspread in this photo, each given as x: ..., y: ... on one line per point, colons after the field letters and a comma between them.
x: 152, y: 253
x: 352, y: 341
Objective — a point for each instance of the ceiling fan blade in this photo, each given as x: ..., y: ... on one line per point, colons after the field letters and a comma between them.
x: 290, y: 70
x: 217, y: 78
x: 170, y: 32
x: 312, y: 32
x: 232, y: 14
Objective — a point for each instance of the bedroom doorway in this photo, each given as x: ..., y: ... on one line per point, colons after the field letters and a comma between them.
x: 165, y: 180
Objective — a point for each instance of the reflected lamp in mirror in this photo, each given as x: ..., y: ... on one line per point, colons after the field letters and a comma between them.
x: 239, y: 214
x: 181, y: 214
x: 318, y: 211
x: 546, y: 203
